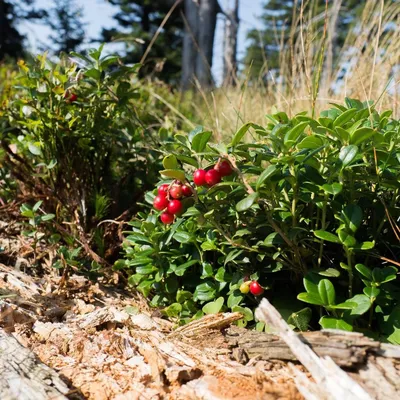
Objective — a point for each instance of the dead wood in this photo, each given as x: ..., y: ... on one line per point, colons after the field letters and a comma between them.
x: 24, y: 377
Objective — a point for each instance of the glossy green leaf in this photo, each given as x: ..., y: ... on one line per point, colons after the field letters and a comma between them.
x: 174, y: 173
x: 247, y: 202
x: 200, y: 140
x: 181, y: 269
x: 240, y: 134
x: 326, y: 292
x: 353, y: 215
x: 214, y: 307
x: 330, y: 272
x: 247, y: 313
x: 311, y: 298
x: 347, y: 155
x: 335, y: 323
x: 345, y: 117
x: 324, y: 235
x: 267, y: 173
x: 170, y: 162
x: 361, y: 135
x: 363, y: 304
x: 293, y: 134
x: 346, y: 238
x: 310, y: 142
x: 333, y: 188
x: 301, y: 319
x: 385, y: 274
x: 364, y: 271
x: 371, y: 292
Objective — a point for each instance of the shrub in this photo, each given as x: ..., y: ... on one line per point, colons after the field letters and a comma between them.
x: 311, y: 200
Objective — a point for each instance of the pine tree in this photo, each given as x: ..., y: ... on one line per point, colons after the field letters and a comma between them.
x: 280, y: 18
x: 138, y: 21
x: 11, y: 13
x: 65, y: 20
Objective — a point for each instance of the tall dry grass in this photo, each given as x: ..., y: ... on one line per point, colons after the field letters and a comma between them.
x: 367, y: 67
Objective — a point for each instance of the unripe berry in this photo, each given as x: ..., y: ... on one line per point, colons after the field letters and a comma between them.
x: 174, y: 207
x: 256, y: 289
x: 199, y: 177
x: 244, y: 288
x: 167, y: 218
x: 212, y: 177
x: 160, y: 202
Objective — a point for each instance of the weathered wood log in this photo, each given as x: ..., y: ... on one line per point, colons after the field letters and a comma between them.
x: 332, y: 382
x: 347, y: 349
x: 24, y: 377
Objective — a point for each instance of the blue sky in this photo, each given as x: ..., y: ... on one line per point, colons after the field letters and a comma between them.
x: 98, y: 14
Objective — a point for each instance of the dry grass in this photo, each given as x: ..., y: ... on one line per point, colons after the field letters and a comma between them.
x: 370, y: 56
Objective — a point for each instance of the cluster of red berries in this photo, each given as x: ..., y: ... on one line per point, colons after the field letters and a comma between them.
x: 168, y: 199
x: 70, y: 97
x: 213, y: 176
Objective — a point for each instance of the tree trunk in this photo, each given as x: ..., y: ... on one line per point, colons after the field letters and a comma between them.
x: 207, y: 22
x: 230, y: 44
x: 189, y: 52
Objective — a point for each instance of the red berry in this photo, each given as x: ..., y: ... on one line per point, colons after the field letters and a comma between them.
x: 167, y: 218
x: 187, y: 190
x: 174, y: 207
x: 163, y: 190
x: 199, y: 177
x: 212, y: 177
x: 224, y: 168
x: 160, y: 202
x: 176, y: 191
x: 73, y: 97
x: 256, y: 289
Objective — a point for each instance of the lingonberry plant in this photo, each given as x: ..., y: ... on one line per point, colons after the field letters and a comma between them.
x: 307, y: 200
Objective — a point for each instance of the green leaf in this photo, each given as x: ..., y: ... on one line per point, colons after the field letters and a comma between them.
x: 362, y: 135
x: 353, y: 215
x: 310, y: 142
x: 364, y: 271
x: 170, y: 162
x: 347, y: 155
x: 174, y: 173
x: 383, y: 275
x: 346, y: 238
x: 214, y: 307
x: 273, y: 239
x: 364, y: 246
x: 345, y: 117
x: 173, y: 310
x: 247, y: 202
x: 324, y: 235
x: 183, y: 237
x: 363, y: 304
x: 34, y: 149
x: 235, y: 299
x: 330, y: 272
x: 310, y: 298
x: 334, y: 188
x: 205, y: 292
x: 391, y: 327
x: 326, y: 292
x: 179, y: 271
x: 301, y: 319
x: 268, y: 172
x: 240, y: 134
x: 183, y: 295
x: 200, y: 141
x: 335, y: 323
x: 371, y: 291
x: 293, y: 134
x: 231, y: 256
x: 146, y: 269
x: 37, y: 205
x: 48, y: 217
x: 247, y: 313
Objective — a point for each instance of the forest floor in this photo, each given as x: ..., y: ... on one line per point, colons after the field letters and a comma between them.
x: 107, y: 343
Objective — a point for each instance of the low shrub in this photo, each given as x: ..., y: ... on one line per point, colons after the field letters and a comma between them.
x: 309, y: 201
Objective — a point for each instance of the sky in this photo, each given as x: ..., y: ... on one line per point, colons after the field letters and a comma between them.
x: 98, y: 14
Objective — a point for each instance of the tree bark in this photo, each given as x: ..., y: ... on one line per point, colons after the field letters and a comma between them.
x: 207, y: 22
x: 230, y: 44
x: 24, y: 377
x: 189, y: 53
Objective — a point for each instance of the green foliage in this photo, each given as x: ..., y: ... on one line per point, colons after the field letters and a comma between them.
x: 310, y: 198
x: 73, y: 130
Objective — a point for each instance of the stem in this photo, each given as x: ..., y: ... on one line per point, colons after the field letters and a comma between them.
x: 371, y: 313
x: 323, y: 222
x: 350, y: 270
